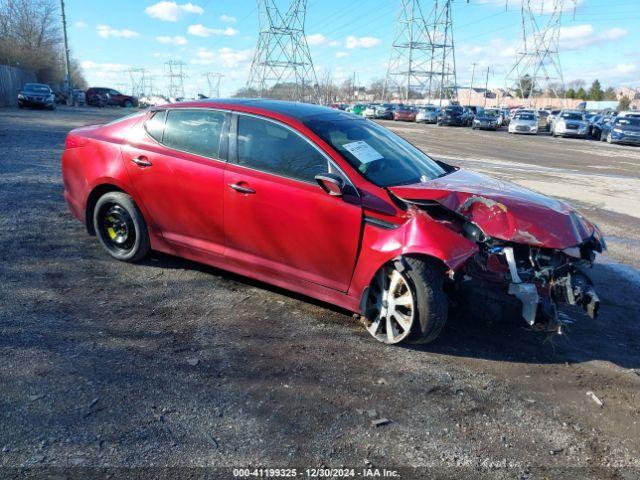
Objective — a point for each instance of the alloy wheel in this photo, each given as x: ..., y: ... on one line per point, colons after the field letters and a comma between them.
x: 390, y: 307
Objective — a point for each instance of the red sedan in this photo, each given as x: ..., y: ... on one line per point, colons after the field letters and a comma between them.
x: 329, y: 205
x: 404, y: 114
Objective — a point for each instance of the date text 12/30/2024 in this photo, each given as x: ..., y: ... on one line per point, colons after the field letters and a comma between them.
x: 315, y: 473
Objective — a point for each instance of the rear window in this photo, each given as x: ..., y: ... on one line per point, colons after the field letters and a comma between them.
x: 155, y: 125
x: 194, y: 131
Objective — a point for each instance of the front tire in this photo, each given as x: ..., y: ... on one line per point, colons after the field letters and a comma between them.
x: 406, y: 302
x: 127, y: 104
x: 120, y: 227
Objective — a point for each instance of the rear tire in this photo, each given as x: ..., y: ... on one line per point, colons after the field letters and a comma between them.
x: 127, y: 104
x: 120, y: 227
x: 407, y: 298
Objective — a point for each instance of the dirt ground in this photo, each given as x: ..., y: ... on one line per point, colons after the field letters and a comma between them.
x: 169, y: 363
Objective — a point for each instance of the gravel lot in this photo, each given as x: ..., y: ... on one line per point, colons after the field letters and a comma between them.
x: 173, y: 364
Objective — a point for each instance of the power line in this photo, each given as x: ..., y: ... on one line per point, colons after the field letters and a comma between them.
x: 174, y: 73
x: 537, y: 63
x: 422, y: 60
x: 282, y: 64
x: 213, y: 82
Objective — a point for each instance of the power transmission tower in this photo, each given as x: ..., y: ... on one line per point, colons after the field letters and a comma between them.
x: 213, y: 81
x: 140, y: 82
x: 174, y: 73
x: 422, y: 60
x: 282, y: 65
x: 537, y: 65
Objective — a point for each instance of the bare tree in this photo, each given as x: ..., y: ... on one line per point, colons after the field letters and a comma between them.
x: 31, y: 38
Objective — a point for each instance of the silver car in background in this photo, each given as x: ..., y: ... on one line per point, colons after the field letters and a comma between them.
x: 570, y: 123
x: 427, y: 114
x: 370, y: 111
x: 524, y: 122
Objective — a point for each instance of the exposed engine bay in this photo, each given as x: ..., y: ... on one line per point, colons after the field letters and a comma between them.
x: 534, y: 251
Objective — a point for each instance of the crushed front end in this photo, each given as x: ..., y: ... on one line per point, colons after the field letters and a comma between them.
x: 533, y: 251
x: 539, y: 278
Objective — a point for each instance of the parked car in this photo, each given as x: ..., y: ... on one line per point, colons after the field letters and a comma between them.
x: 625, y: 130
x: 629, y: 113
x: 97, y: 99
x: 570, y: 123
x: 600, y: 128
x: 543, y: 120
x: 427, y: 114
x: 486, y: 120
x: 404, y: 113
x: 113, y: 97
x: 370, y: 110
x: 36, y: 95
x: 497, y: 113
x: 524, y: 122
x: 453, y: 115
x: 80, y: 98
x: 357, y: 109
x: 552, y: 117
x: 385, y: 111
x: 330, y: 206
x: 506, y: 118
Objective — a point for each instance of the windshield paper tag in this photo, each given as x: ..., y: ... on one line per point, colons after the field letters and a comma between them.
x: 362, y: 151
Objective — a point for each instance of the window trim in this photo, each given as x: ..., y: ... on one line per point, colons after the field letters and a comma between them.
x: 223, y: 150
x: 153, y: 113
x: 233, y: 150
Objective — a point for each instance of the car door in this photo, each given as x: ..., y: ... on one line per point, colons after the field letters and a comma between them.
x: 277, y: 219
x: 176, y: 162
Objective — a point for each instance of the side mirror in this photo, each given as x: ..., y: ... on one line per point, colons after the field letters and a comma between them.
x: 331, y: 183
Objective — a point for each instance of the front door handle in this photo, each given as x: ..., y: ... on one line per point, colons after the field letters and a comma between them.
x: 142, y: 161
x: 241, y: 189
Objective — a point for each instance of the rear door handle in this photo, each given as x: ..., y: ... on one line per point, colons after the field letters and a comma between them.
x: 142, y: 161
x: 241, y: 189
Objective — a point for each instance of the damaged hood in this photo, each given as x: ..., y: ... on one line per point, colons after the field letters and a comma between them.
x: 503, y: 210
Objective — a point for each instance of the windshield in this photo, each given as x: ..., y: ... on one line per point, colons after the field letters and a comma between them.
x: 525, y: 116
x: 629, y: 121
x: 572, y: 116
x: 453, y: 109
x: 34, y: 87
x: 489, y: 113
x: 381, y: 156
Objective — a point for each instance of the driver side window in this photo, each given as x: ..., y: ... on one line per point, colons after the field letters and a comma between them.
x: 272, y: 148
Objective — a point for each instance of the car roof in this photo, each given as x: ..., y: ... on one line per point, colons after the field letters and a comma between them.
x: 295, y: 110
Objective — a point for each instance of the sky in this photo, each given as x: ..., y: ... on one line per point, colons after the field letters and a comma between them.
x: 599, y: 39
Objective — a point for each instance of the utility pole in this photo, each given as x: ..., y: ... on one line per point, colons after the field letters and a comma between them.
x: 70, y: 99
x: 353, y: 88
x: 422, y: 58
x: 282, y: 64
x: 473, y: 72
x: 486, y: 88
